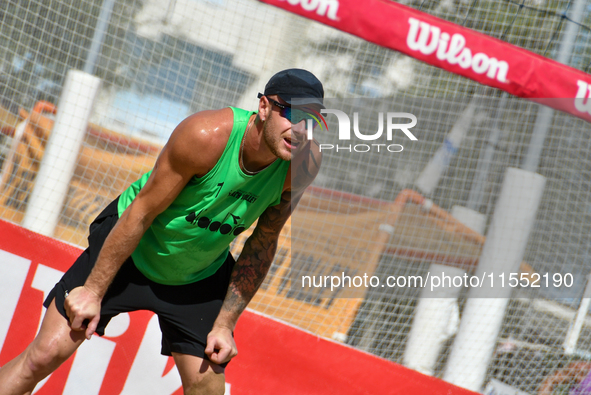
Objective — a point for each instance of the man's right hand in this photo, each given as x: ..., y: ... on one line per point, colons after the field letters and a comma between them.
x: 83, y: 304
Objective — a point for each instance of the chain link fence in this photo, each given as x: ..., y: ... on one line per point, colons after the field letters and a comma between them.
x: 161, y: 60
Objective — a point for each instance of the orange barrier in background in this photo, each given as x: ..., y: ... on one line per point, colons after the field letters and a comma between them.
x: 107, y: 164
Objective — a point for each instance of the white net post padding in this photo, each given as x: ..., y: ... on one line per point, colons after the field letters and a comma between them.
x: 504, y: 249
x: 436, y: 318
x: 59, y: 160
x: 574, y: 331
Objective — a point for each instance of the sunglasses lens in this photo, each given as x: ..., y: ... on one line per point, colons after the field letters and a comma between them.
x: 285, y: 112
x: 298, y: 116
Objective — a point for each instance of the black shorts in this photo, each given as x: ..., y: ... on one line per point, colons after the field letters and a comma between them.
x: 186, y: 313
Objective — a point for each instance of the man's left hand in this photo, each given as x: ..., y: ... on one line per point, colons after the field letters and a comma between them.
x: 220, y: 345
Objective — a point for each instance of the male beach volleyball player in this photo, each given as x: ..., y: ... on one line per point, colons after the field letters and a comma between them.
x: 163, y: 244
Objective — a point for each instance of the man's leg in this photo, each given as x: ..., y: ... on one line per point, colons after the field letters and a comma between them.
x: 199, y: 376
x: 54, y: 344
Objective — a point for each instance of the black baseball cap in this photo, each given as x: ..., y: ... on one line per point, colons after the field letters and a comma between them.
x: 296, y: 84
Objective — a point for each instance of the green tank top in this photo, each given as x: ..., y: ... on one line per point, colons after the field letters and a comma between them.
x: 190, y: 240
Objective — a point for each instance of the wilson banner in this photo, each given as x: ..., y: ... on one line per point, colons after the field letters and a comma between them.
x: 454, y: 48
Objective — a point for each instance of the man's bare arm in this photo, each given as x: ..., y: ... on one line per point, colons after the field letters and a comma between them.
x: 257, y: 255
x: 174, y: 167
x: 254, y: 262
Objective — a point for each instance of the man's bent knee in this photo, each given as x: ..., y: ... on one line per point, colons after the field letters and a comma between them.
x: 199, y: 376
x: 208, y: 382
x: 54, y: 344
x: 40, y: 360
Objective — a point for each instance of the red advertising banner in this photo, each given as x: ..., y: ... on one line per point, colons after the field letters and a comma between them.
x: 274, y: 357
x: 126, y: 360
x: 454, y: 48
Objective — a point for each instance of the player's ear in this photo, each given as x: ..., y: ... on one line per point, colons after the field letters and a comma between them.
x: 264, y: 108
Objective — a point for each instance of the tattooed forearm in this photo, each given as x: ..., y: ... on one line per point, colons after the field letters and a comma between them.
x: 248, y: 275
x: 256, y: 258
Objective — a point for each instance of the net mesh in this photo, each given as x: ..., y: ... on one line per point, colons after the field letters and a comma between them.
x: 160, y: 61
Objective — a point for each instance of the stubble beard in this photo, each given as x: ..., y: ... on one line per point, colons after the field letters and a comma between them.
x: 274, y: 143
